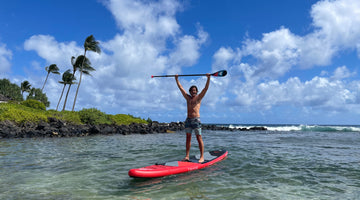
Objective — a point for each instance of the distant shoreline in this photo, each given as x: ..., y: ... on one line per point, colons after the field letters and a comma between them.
x: 59, y: 128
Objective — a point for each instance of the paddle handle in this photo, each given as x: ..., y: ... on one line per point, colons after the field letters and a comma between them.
x: 220, y: 73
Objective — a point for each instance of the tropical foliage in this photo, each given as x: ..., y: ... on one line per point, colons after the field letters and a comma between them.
x: 93, y: 116
x: 50, y: 69
x: 20, y: 113
x: 36, y: 94
x: 31, y: 103
x: 10, y: 90
x: 67, y: 78
x: 25, y: 87
x: 90, y: 44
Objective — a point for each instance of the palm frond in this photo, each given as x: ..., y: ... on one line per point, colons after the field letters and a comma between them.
x: 91, y: 44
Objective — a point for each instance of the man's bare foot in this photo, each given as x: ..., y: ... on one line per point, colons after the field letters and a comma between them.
x: 201, y: 160
x: 186, y: 159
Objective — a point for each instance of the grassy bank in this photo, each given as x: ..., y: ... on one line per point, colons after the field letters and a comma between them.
x: 31, y: 111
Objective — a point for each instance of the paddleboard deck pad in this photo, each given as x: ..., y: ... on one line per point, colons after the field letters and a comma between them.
x: 176, y: 167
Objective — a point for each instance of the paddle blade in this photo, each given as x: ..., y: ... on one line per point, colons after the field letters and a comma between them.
x: 220, y: 73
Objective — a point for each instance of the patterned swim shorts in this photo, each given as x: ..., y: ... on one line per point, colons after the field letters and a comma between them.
x: 193, y: 124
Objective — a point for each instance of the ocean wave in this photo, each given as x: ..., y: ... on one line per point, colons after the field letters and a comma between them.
x: 305, y: 128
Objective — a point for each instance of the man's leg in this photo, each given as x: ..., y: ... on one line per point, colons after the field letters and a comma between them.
x: 201, y: 147
x: 188, y: 145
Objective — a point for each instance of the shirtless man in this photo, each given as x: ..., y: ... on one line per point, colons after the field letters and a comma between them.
x: 192, y: 123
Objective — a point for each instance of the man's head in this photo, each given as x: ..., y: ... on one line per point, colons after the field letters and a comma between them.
x: 193, y: 90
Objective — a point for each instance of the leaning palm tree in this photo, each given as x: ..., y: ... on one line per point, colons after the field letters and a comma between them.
x: 73, y: 62
x: 50, y: 69
x: 25, y: 87
x: 67, y: 78
x: 90, y: 45
x: 77, y: 63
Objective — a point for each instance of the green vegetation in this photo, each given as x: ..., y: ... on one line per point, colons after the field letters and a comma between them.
x: 33, y: 111
x: 15, y: 92
x: 10, y: 90
x: 20, y: 113
x: 31, y: 103
x: 93, y: 116
x: 36, y: 94
x: 127, y: 119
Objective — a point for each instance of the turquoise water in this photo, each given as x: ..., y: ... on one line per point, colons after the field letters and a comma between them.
x: 261, y: 165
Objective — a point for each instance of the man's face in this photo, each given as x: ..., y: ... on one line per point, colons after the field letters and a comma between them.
x: 193, y: 92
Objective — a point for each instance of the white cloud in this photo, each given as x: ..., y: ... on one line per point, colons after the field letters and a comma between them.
x: 276, y: 53
x: 262, y: 62
x: 187, y: 48
x: 319, y: 93
x: 52, y: 51
x: 150, y: 19
x: 5, y: 57
x: 342, y: 72
x: 338, y: 21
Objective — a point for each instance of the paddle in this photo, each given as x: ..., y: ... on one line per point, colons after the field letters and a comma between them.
x: 220, y: 73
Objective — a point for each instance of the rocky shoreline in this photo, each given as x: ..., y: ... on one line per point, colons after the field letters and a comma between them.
x: 58, y: 128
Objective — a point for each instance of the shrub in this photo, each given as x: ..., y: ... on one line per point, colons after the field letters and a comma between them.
x: 68, y: 116
x: 126, y: 119
x: 37, y: 94
x: 93, y: 116
x: 21, y: 114
x: 31, y: 103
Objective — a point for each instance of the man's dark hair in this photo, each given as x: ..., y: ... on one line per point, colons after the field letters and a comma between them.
x: 192, y: 88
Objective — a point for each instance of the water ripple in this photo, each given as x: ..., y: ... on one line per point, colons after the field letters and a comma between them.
x: 260, y: 165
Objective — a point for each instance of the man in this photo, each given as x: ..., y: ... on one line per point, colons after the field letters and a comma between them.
x: 192, y: 123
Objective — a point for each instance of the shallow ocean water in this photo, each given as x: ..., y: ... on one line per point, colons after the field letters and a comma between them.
x: 260, y: 165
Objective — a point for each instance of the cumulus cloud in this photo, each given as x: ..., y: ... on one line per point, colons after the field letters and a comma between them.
x: 342, y: 73
x: 53, y: 51
x: 152, y: 20
x: 263, y: 62
x: 276, y: 53
x: 5, y: 58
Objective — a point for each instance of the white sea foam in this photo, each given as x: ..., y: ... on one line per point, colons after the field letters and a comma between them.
x: 317, y: 128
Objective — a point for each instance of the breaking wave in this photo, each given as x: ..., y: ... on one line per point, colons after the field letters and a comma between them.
x: 305, y: 128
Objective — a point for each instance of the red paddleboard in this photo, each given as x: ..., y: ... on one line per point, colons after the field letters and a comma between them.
x: 177, y: 167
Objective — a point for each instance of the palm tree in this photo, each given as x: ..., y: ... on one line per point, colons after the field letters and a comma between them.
x: 25, y: 87
x: 74, y: 70
x: 50, y: 69
x: 90, y: 45
x: 76, y: 63
x: 67, y: 78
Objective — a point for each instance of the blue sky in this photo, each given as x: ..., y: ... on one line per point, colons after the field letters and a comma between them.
x: 287, y: 61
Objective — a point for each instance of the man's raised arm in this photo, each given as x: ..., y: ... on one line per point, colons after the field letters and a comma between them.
x: 183, y: 92
x: 203, y: 92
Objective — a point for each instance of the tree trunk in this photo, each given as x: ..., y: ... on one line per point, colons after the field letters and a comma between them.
x: 60, y: 97
x: 67, y: 94
x: 77, y: 90
x: 45, y: 81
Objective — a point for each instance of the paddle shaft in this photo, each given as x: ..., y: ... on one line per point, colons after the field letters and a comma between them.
x: 219, y: 73
x: 180, y: 75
